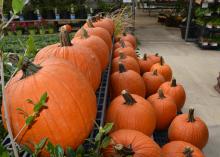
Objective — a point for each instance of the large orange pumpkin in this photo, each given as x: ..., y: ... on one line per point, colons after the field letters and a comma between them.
x: 145, y: 64
x: 190, y: 129
x: 97, y: 22
x: 83, y: 58
x: 129, y: 62
x: 127, y: 51
x: 131, y: 143
x: 97, y: 31
x: 126, y: 79
x: 176, y: 91
x: 181, y: 149
x: 122, y: 43
x: 152, y: 81
x: 165, y: 109
x: 129, y: 37
x: 71, y: 104
x: 96, y: 44
x: 163, y: 69
x: 131, y: 112
x: 154, y: 58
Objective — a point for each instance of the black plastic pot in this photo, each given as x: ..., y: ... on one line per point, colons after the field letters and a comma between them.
x: 48, y: 14
x: 64, y: 14
x: 30, y: 15
x: 193, y: 31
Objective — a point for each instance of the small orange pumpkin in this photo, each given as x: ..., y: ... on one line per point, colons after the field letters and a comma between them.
x: 131, y: 143
x: 176, y: 91
x: 129, y: 37
x: 163, y: 69
x: 129, y: 62
x: 126, y: 79
x: 140, y: 111
x: 97, y: 31
x: 81, y: 57
x: 181, y: 149
x: 165, y: 109
x: 154, y: 58
x: 122, y: 43
x: 145, y: 64
x: 152, y: 81
x: 190, y: 129
x: 96, y: 44
x: 127, y: 51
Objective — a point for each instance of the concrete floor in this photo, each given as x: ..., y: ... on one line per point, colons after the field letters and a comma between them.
x: 196, y: 69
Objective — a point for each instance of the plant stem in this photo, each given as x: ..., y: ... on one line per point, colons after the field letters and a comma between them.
x: 161, y: 60
x: 122, y: 55
x: 122, y: 43
x: 129, y: 100
x: 65, y: 38
x: 89, y: 23
x: 122, y: 68
x: 188, y: 152
x: 124, y: 151
x: 6, y: 108
x: 20, y: 132
x: 155, y: 72
x: 84, y: 34
x: 173, y: 83
x: 145, y: 57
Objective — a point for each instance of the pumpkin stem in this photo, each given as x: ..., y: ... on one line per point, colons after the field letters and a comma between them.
x: 122, y: 43
x: 145, y: 57
x: 94, y: 19
x: 64, y: 37
x: 156, y: 54
x: 191, y: 117
x: 98, y: 17
x: 89, y: 23
x: 85, y: 34
x: 188, y: 152
x: 122, y: 68
x: 121, y: 55
x: 161, y: 94
x: 161, y: 60
x: 129, y: 100
x: 155, y: 72
x: 124, y: 151
x: 124, y: 33
x: 173, y: 83
x: 25, y: 65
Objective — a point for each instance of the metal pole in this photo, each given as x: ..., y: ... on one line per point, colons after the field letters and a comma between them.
x: 188, y: 19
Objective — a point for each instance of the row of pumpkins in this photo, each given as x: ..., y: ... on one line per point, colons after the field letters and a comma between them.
x: 70, y: 72
x: 145, y: 98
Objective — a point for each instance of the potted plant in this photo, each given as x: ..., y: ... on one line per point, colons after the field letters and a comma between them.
x: 31, y: 29
x: 42, y: 30
x: 50, y: 29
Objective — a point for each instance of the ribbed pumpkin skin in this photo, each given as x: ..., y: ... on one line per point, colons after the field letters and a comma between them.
x: 130, y: 38
x: 139, y: 116
x: 103, y: 24
x: 195, y: 133
x: 142, y: 145
x: 176, y: 149
x: 165, y: 109
x: 83, y: 58
x: 152, y: 82
x: 98, y: 31
x: 97, y: 45
x: 127, y: 51
x: 177, y: 93
x: 145, y: 65
x: 164, y: 70
x: 71, y: 103
x: 129, y: 80
x: 129, y: 62
x: 127, y: 44
x: 154, y: 58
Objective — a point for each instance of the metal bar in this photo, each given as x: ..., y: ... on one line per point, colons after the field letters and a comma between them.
x: 188, y: 19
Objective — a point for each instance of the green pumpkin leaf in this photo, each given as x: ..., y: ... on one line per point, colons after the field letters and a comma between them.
x: 31, y: 47
x: 30, y: 101
x: 43, y: 98
x: 98, y: 136
x: 108, y: 127
x: 70, y: 152
x: 105, y: 142
x: 50, y: 148
x: 29, y: 120
x: 41, y: 103
x: 41, y: 144
x: 59, y: 151
x: 80, y: 151
x: 17, y: 6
